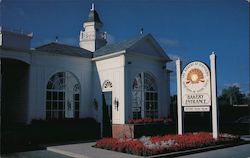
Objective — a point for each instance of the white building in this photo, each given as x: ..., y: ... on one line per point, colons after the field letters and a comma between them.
x: 125, y: 80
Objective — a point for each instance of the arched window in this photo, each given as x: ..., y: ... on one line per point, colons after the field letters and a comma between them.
x: 62, y: 96
x: 144, y: 96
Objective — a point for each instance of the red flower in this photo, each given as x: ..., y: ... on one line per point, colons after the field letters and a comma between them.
x: 181, y: 142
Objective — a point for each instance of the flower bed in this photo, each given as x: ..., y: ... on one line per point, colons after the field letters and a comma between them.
x: 147, y: 146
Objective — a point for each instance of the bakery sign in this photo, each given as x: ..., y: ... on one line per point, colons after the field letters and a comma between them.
x: 195, y: 83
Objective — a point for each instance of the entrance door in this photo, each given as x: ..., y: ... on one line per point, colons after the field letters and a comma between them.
x: 107, y: 114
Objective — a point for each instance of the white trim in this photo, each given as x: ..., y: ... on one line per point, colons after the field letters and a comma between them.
x: 24, y: 56
x: 109, y: 55
x: 215, y: 123
x: 108, y: 88
x: 179, y: 99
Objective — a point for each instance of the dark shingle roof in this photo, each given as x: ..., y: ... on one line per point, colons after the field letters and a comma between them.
x: 111, y: 48
x: 63, y: 49
x: 93, y: 17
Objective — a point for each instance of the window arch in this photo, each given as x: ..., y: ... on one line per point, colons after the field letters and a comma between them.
x: 62, y: 96
x: 144, y: 96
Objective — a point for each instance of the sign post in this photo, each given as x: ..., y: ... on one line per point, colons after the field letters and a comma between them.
x: 196, y: 91
x: 179, y: 106
x: 214, y: 96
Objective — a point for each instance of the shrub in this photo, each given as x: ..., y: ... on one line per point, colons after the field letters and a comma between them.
x: 150, y: 120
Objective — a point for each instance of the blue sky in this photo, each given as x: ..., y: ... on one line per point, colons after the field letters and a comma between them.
x: 188, y: 29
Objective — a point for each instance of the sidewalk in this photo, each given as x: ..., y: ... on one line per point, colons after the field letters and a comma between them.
x: 85, y: 150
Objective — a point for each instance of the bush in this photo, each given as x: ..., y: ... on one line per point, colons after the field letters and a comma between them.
x: 27, y: 137
x: 150, y: 120
x: 50, y: 131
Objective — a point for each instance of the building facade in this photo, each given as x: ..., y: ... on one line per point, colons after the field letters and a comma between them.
x: 116, y: 82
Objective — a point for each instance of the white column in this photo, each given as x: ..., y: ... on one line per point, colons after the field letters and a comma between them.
x: 179, y: 106
x: 31, y: 112
x: 214, y: 95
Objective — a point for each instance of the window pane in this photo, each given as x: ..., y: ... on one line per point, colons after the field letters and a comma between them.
x: 136, y: 115
x: 54, y: 105
x: 77, y: 105
x: 54, y: 114
x: 61, y: 105
x: 76, y: 114
x: 48, y: 95
x: 147, y: 96
x: 54, y: 95
x: 61, y: 95
x: 48, y: 105
x: 49, y: 85
x: 76, y: 97
x: 155, y: 96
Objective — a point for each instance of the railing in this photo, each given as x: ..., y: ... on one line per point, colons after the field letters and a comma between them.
x: 93, y: 35
x: 19, y: 31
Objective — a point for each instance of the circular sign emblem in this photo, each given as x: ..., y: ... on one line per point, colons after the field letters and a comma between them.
x: 195, y: 76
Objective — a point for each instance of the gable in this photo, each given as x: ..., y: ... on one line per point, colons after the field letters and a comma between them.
x: 149, y: 46
x: 143, y: 44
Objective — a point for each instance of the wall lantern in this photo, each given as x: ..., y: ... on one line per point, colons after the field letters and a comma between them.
x: 116, y: 102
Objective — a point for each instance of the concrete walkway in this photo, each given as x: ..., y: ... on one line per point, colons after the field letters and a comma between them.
x: 34, y: 154
x: 85, y: 150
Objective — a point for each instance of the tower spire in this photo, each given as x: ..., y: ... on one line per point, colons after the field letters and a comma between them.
x: 91, y: 37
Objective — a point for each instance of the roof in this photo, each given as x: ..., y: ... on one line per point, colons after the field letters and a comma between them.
x: 111, y: 48
x: 93, y: 17
x: 63, y: 49
x: 129, y: 45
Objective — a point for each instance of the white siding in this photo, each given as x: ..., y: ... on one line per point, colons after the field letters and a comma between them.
x: 112, y: 69
x: 44, y: 66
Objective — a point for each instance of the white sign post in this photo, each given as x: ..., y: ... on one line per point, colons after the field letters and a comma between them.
x: 196, y: 91
x: 179, y: 107
x: 214, y: 96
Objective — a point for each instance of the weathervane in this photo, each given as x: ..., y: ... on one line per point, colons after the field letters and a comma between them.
x: 93, y: 7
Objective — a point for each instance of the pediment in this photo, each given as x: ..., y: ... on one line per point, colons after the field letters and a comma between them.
x: 148, y: 46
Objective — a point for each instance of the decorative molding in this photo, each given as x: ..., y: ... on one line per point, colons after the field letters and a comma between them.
x: 107, y: 84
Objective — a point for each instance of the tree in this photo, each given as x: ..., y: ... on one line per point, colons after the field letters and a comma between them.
x: 232, y: 96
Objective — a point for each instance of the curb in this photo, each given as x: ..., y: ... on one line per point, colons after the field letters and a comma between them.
x: 194, y: 151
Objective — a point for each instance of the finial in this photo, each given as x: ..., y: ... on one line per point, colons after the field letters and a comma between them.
x: 141, y: 32
x: 93, y: 7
